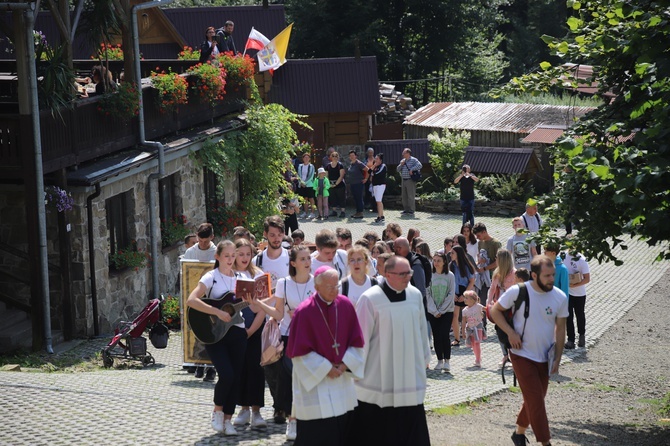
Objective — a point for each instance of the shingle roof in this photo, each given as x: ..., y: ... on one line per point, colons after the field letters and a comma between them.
x: 501, y: 160
x: 337, y: 85
x: 544, y: 135
x: 392, y: 149
x: 493, y: 116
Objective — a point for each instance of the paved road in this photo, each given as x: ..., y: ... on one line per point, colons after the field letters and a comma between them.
x: 164, y: 405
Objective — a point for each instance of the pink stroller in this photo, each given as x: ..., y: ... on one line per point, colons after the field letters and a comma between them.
x: 128, y: 342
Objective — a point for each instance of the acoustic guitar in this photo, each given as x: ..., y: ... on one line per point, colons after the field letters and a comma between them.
x: 208, y: 328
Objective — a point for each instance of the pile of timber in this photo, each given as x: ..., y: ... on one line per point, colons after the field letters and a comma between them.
x: 395, y: 105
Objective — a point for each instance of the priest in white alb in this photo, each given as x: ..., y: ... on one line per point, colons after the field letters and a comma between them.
x: 326, y: 345
x: 390, y: 396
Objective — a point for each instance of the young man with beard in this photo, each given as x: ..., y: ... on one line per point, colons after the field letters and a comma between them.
x: 274, y: 259
x: 532, y: 342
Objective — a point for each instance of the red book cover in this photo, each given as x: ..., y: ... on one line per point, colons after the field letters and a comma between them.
x: 259, y: 288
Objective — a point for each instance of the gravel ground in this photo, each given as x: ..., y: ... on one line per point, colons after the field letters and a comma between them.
x: 609, y: 395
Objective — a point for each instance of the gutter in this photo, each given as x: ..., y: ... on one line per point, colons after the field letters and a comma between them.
x: 153, y: 178
x: 91, y: 260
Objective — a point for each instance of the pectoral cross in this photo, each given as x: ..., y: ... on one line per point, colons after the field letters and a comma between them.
x: 335, y: 345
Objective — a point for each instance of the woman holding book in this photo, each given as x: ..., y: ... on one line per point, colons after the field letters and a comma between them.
x: 227, y: 355
x: 252, y: 386
x: 291, y: 291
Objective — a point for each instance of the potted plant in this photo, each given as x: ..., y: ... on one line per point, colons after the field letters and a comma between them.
x: 171, y: 310
x: 239, y: 69
x: 188, y: 53
x: 108, y: 51
x: 124, y: 103
x: 208, y: 81
x: 129, y: 257
x: 59, y: 198
x: 172, y: 90
x: 173, y: 230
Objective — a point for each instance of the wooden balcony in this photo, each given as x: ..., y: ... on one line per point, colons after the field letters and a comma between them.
x: 84, y: 133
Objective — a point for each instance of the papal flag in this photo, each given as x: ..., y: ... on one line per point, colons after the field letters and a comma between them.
x: 256, y: 41
x: 273, y: 55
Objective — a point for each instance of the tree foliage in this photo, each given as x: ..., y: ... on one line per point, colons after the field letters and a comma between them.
x: 259, y: 154
x: 447, y: 152
x: 441, y: 50
x: 613, y: 168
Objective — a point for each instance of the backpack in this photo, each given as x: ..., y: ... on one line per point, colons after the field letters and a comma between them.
x: 425, y: 264
x: 259, y: 258
x: 509, y: 315
x: 345, y: 285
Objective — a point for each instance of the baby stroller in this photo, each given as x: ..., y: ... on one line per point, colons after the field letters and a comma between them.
x: 128, y: 342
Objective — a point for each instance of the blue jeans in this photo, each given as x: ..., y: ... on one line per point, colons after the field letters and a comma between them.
x: 468, y: 209
x: 357, y: 193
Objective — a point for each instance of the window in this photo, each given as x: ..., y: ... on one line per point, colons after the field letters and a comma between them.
x: 168, y: 197
x: 117, y: 209
x: 213, y: 196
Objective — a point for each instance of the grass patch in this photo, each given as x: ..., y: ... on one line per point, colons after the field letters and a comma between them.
x: 455, y: 409
x: 48, y: 363
x: 515, y: 389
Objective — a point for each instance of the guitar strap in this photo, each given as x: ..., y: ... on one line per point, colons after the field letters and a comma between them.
x: 209, y: 293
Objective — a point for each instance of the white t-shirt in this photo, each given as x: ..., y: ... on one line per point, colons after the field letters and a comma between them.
x: 355, y: 290
x: 217, y: 285
x: 277, y: 268
x: 473, y: 249
x: 296, y: 293
x: 201, y: 255
x: 532, y: 223
x: 577, y: 264
x: 339, y: 262
x: 539, y: 334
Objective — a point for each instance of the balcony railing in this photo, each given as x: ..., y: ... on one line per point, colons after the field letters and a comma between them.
x: 83, y: 133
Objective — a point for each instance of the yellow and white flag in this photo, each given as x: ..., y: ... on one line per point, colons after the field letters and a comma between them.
x: 273, y: 55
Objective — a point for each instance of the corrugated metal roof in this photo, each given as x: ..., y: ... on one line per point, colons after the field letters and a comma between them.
x: 337, y: 85
x: 189, y: 22
x: 501, y: 160
x: 392, y: 149
x: 493, y: 116
x: 544, y: 135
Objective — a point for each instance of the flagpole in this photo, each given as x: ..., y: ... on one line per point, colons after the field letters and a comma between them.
x: 245, y: 46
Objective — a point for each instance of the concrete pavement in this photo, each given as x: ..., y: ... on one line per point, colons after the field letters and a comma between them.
x: 164, y: 405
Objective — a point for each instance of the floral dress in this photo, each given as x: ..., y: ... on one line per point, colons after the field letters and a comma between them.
x: 474, y: 328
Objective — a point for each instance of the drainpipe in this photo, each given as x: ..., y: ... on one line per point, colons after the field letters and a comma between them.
x: 91, y: 260
x: 29, y: 17
x: 153, y: 178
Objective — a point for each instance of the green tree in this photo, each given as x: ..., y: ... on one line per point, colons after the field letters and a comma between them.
x: 446, y: 155
x: 613, y: 169
x: 259, y: 154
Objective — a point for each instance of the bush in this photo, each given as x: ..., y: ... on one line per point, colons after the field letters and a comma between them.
x: 171, y: 312
x: 446, y: 156
x: 505, y: 187
x: 393, y: 183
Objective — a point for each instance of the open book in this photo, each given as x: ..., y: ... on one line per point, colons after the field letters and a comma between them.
x: 259, y: 288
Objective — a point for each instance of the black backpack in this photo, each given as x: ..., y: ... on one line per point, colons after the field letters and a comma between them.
x: 425, y: 264
x: 509, y: 314
x: 345, y: 285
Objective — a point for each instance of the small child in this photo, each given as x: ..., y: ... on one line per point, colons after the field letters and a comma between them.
x: 473, y: 314
x: 321, y: 186
x: 522, y: 275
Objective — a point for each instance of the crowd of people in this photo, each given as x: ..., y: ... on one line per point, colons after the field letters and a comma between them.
x: 357, y: 318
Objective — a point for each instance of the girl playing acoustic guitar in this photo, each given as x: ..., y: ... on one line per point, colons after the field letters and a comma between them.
x: 227, y: 354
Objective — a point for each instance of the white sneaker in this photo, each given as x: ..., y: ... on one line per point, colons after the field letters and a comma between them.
x: 445, y: 365
x: 292, y: 430
x: 257, y: 420
x: 302, y: 215
x: 311, y: 216
x: 242, y: 417
x: 439, y: 365
x: 217, y: 421
x: 228, y: 428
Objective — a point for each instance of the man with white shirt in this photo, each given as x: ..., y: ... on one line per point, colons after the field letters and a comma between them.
x: 326, y: 346
x: 275, y: 258
x: 204, y: 250
x: 328, y: 254
x: 536, y: 339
